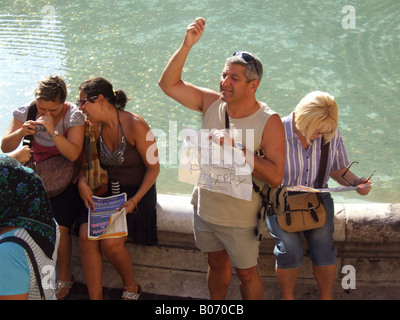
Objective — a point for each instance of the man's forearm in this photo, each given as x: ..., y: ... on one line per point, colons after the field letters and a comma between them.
x: 172, y: 73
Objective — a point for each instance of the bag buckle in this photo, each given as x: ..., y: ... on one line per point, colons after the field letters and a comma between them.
x: 288, y: 218
x: 313, y: 212
x: 270, y: 208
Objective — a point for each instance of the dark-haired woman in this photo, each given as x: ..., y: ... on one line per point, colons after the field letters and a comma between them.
x: 127, y: 149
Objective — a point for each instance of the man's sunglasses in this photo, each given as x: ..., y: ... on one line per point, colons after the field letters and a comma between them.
x: 248, y: 58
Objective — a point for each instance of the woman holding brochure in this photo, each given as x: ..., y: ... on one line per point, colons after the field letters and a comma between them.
x: 316, y: 116
x: 127, y: 149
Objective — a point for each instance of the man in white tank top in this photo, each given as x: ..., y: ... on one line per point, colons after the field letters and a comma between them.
x: 224, y: 225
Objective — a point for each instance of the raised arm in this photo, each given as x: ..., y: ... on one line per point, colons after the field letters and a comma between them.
x: 171, y: 82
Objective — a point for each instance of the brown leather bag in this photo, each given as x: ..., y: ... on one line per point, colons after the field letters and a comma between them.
x: 305, y: 212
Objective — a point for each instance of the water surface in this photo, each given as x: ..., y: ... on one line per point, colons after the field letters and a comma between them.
x: 304, y: 46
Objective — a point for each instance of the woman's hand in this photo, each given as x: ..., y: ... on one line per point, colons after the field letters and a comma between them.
x: 130, y: 206
x: 48, y: 122
x: 351, y: 180
x: 364, y: 190
x: 23, y: 155
x: 86, y: 193
x: 28, y: 128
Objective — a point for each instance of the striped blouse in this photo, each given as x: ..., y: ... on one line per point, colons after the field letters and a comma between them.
x: 302, y: 166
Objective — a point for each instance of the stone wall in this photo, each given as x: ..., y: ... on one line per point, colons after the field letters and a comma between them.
x: 366, y: 235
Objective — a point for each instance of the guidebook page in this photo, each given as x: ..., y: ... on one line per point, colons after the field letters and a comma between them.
x: 105, y: 221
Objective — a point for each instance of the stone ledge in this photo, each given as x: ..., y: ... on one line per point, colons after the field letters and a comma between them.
x: 366, y: 236
x: 360, y: 222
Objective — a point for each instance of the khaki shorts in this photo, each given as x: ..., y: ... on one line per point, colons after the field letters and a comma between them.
x: 240, y: 243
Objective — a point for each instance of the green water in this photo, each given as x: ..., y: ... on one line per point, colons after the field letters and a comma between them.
x: 302, y: 44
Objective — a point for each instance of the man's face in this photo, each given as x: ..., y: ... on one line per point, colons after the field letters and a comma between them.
x: 233, y: 84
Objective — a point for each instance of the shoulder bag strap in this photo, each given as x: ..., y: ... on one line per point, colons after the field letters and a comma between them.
x: 226, y: 119
x: 323, y: 162
x: 28, y: 249
x: 32, y: 112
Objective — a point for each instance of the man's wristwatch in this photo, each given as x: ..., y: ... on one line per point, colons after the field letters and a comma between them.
x: 55, y: 134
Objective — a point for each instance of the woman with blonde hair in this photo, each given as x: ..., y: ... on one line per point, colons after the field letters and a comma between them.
x: 313, y: 122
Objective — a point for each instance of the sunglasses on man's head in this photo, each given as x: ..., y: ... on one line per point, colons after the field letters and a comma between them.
x: 246, y: 57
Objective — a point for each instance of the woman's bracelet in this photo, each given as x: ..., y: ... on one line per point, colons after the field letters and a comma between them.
x: 136, y: 207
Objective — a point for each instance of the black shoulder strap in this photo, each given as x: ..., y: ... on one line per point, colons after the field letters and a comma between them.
x: 226, y: 119
x: 32, y: 112
x: 28, y: 249
x: 323, y: 162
